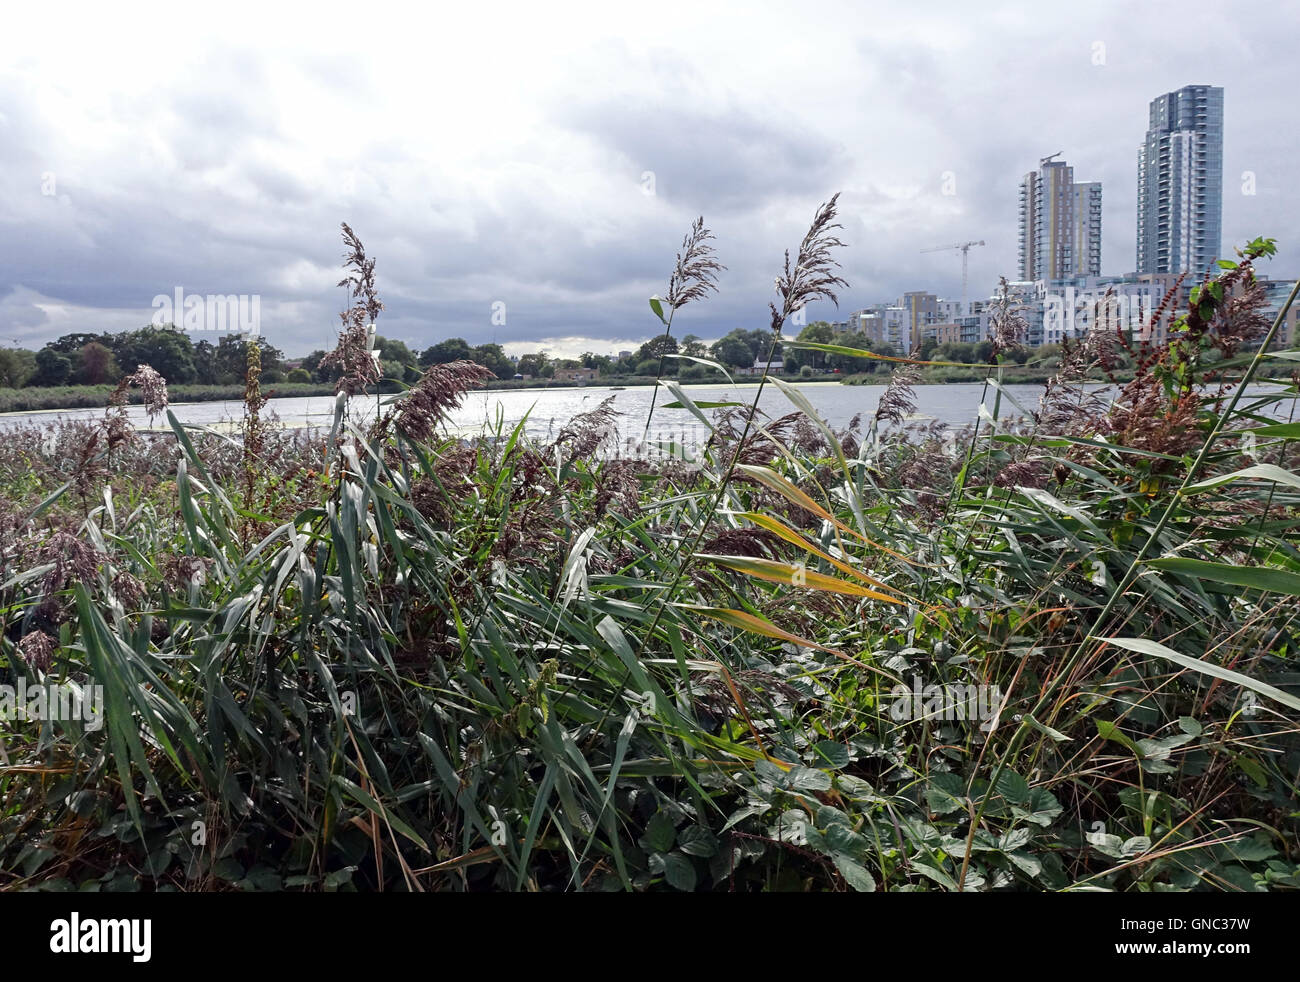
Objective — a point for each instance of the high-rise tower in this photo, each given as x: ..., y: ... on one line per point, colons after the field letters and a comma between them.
x: 1060, y: 224
x: 1180, y: 182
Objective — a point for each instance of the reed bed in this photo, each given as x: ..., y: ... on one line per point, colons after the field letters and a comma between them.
x: 389, y: 659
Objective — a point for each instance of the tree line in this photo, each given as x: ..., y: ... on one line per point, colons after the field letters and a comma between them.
x: 103, y: 359
x: 740, y: 348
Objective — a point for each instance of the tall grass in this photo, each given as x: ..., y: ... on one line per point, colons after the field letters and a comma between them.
x: 398, y: 660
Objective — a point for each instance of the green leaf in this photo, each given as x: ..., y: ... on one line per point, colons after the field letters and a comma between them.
x: 688, y: 403
x: 1014, y: 839
x: 1261, y: 472
x: 228, y: 869
x: 370, y: 804
x: 941, y: 802
x: 338, y: 877
x: 1109, y: 731
x: 1145, y: 647
x: 1267, y: 578
x: 809, y: 779
x: 657, y: 305
x: 1026, y: 863
x: 953, y: 784
x: 660, y: 833
x: 697, y: 841
x: 843, y: 841
x: 1136, y: 845
x: 1043, y: 808
x: 679, y: 871
x: 1013, y: 787
x: 831, y: 754
x: 1286, y: 431
x: 1046, y: 730
x: 855, y: 875
x: 709, y: 362
x: 1157, y: 748
x: 702, y: 404
x: 740, y: 814
x: 1250, y: 767
x: 1189, y: 725
x: 1104, y: 842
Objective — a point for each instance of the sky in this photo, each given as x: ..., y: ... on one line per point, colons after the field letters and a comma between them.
x: 525, y: 173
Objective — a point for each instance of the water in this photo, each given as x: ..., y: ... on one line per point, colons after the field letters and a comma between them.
x: 953, y: 404
x: 837, y: 404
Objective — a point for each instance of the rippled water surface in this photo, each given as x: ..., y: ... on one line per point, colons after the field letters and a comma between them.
x: 549, y: 409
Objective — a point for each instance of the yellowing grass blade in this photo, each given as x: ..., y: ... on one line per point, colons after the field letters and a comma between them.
x: 761, y: 625
x: 775, y: 572
x: 773, y: 480
x: 755, y: 625
x: 778, y: 527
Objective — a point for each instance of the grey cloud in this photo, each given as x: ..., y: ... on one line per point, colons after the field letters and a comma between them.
x: 559, y: 228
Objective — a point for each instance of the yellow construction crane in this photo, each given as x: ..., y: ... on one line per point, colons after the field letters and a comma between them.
x: 965, y: 255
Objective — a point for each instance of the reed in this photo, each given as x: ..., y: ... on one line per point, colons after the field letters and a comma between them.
x: 1052, y: 655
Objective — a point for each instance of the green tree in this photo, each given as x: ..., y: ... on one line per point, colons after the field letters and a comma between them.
x: 17, y: 366
x: 167, y: 350
x: 819, y: 332
x: 695, y: 347
x: 657, y: 347
x: 70, y: 344
x: 493, y: 358
x: 453, y: 349
x: 599, y: 362
x: 231, y: 358
x: 849, y: 364
x: 393, y: 371
x: 391, y: 349
x: 962, y: 351
x: 52, y: 367
x: 319, y: 373
x: 533, y: 364
x: 734, y: 350
x: 205, y: 363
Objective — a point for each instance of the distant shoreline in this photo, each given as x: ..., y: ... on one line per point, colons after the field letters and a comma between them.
x: 37, y: 399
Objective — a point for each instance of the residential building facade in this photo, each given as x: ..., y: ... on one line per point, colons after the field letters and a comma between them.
x: 1060, y: 224
x: 1180, y: 182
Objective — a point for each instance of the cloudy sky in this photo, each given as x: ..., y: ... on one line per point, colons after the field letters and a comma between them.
x: 550, y: 157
